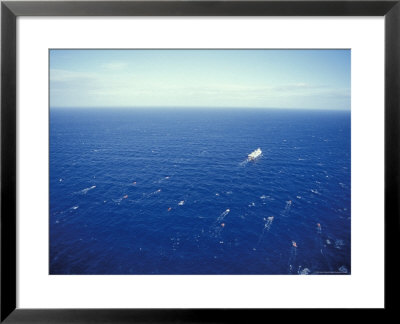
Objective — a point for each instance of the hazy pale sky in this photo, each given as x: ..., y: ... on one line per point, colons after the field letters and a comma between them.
x: 312, y: 79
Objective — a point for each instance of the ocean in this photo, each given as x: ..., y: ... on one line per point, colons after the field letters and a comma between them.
x: 171, y: 191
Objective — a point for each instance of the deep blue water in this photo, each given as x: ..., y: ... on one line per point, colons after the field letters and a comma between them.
x: 169, y: 191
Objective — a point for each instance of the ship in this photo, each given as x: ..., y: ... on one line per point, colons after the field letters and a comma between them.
x: 255, y: 154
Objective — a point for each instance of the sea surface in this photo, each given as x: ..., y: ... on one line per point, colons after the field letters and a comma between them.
x: 171, y: 191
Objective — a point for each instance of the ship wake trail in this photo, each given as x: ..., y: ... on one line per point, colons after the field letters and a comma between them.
x: 267, y: 225
x: 292, y: 258
x: 243, y: 163
x: 287, y: 209
x: 85, y: 191
x: 218, y: 226
x: 152, y: 193
x: 223, y: 215
x: 319, y: 238
x: 321, y: 246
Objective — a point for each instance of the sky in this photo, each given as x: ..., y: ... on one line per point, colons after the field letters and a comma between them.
x: 307, y: 79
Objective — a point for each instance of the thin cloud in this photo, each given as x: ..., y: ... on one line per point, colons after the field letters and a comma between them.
x: 67, y: 75
x: 114, y: 66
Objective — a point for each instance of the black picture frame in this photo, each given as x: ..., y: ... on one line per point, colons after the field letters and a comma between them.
x: 10, y: 10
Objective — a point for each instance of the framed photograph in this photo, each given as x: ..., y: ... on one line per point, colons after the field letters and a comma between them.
x: 193, y: 160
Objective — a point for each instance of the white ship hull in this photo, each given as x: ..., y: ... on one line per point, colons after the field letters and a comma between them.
x: 255, y: 154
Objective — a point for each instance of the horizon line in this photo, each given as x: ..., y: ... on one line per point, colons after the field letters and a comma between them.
x: 196, y: 107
